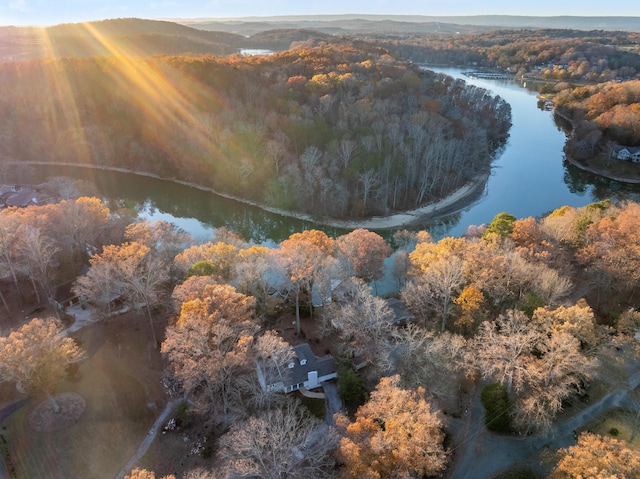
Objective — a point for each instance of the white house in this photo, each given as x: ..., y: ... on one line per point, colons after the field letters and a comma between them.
x: 305, y: 370
x: 627, y: 153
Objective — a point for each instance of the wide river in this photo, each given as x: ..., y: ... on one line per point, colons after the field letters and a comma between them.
x: 528, y: 178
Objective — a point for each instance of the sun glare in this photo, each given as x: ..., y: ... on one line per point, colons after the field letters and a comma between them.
x: 165, y: 107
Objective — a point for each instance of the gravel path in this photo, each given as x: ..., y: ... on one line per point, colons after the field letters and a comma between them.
x: 148, y: 440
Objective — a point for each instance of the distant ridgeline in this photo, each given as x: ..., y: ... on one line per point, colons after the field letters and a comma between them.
x: 341, y: 129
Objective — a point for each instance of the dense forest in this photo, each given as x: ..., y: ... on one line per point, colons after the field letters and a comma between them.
x: 554, y: 55
x: 603, y: 116
x: 340, y: 129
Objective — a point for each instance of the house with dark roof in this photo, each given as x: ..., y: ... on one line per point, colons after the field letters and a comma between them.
x: 21, y: 196
x: 305, y: 370
x: 25, y: 198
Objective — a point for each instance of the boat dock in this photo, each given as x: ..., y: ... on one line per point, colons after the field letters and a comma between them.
x: 489, y: 75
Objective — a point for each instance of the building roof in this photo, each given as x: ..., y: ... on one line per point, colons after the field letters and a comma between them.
x: 25, y: 197
x: 400, y: 311
x: 306, y: 361
x: 630, y: 149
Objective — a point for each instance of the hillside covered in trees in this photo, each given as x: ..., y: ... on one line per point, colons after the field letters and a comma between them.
x: 603, y: 116
x: 341, y: 129
x: 553, y: 55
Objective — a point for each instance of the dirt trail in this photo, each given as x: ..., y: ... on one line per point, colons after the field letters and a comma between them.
x: 148, y: 440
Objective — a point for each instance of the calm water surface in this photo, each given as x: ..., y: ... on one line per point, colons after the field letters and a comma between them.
x: 529, y: 178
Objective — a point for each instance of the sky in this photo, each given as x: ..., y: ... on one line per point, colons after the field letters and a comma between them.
x: 52, y: 12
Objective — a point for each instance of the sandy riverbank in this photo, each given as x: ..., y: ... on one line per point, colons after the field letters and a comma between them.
x: 456, y: 201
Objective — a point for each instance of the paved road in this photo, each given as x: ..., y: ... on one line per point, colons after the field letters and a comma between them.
x: 480, y: 454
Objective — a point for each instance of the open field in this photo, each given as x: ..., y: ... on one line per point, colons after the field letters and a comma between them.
x: 617, y: 423
x: 120, y: 383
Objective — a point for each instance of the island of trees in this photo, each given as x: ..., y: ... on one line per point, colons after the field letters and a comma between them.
x: 342, y: 129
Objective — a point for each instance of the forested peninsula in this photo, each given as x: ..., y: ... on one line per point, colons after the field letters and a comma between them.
x: 341, y: 129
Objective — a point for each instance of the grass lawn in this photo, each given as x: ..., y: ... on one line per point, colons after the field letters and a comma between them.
x: 121, y: 385
x: 612, y: 166
x: 618, y: 424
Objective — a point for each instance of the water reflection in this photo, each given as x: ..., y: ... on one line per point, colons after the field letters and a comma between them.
x: 580, y: 182
x: 197, y: 212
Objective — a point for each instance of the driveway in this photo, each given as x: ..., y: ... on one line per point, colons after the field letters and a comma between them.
x: 481, y: 454
x: 333, y: 401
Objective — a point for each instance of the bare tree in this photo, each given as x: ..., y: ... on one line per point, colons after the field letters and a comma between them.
x: 560, y: 371
x: 503, y: 349
x: 277, y: 151
x: 9, y: 237
x: 272, y: 355
x: 422, y: 357
x: 129, y: 272
x: 436, y: 287
x: 364, y: 321
x: 37, y: 253
x: 540, y: 368
x: 84, y: 222
x: 369, y: 180
x: 346, y: 150
x: 283, y: 442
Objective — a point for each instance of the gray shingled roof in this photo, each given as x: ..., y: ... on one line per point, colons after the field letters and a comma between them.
x: 323, y: 365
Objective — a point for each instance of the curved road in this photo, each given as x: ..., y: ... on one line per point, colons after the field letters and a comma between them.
x: 481, y: 454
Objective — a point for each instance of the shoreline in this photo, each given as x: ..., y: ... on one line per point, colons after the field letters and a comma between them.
x: 621, y: 179
x: 452, y: 203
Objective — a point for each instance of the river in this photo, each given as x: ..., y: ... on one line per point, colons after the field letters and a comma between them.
x: 528, y: 178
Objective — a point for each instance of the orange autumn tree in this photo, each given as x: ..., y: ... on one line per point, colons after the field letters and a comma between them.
x: 395, y: 435
x: 364, y: 251
x: 208, y: 349
x: 138, y: 473
x: 301, y: 258
x: 36, y: 357
x: 597, y: 457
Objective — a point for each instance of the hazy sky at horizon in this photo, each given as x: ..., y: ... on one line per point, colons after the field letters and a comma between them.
x: 51, y: 12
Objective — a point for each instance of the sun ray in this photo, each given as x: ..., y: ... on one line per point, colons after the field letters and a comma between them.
x: 163, y: 104
x: 63, y: 121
